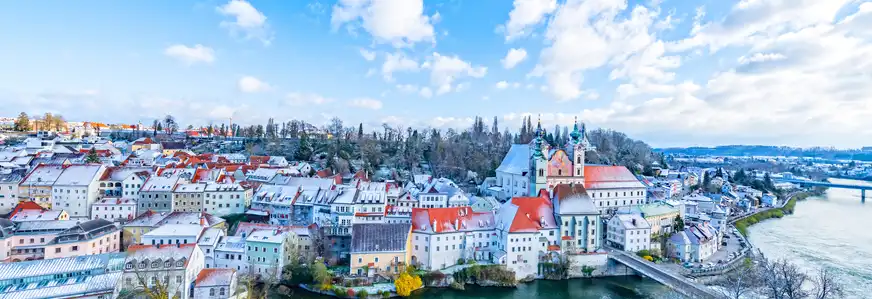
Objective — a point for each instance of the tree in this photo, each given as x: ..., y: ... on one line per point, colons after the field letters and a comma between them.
x: 827, y: 285
x: 155, y: 127
x: 304, y: 149
x: 22, y: 123
x: 740, y: 282
x: 360, y: 131
x: 679, y: 223
x: 170, y: 125
x: 321, y: 275
x: 407, y: 283
x: 92, y: 156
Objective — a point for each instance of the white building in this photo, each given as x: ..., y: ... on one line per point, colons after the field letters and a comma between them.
x: 173, y: 234
x: 694, y: 244
x: 226, y: 199
x: 208, y: 242
x: 442, y: 193
x: 441, y: 236
x: 277, y: 201
x: 371, y: 203
x: 175, y: 265
x: 629, y: 232
x: 230, y: 253
x: 114, y: 209
x: 76, y: 189
x: 580, y: 221
x: 527, y: 233
x: 123, y: 182
x: 215, y: 284
x: 9, y: 190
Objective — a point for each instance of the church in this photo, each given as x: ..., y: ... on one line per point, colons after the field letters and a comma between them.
x: 529, y: 168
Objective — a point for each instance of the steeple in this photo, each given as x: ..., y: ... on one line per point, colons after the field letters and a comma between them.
x: 574, y: 136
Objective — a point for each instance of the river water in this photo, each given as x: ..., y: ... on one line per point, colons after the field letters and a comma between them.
x: 832, y: 231
x: 597, y: 288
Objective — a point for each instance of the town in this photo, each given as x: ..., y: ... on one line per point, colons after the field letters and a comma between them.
x: 98, y: 210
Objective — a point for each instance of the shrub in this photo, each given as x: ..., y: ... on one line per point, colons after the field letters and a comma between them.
x: 461, y: 261
x: 642, y: 253
x: 349, y: 292
x: 362, y: 294
x: 649, y: 258
x: 386, y: 294
x: 406, y: 283
x: 339, y: 291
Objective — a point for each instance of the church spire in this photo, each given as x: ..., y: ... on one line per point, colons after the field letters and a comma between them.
x: 575, y: 134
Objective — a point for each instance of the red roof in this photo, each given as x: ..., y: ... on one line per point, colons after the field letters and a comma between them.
x: 257, y: 160
x: 553, y: 247
x: 26, y: 205
x: 605, y: 177
x: 447, y: 219
x: 209, y: 272
x: 532, y: 211
x: 147, y: 140
x: 324, y: 173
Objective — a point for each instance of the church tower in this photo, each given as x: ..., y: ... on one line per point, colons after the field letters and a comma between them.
x: 538, y: 163
x: 580, y: 145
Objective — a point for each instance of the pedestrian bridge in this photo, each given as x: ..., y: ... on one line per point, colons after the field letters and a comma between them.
x: 862, y: 188
x: 678, y: 283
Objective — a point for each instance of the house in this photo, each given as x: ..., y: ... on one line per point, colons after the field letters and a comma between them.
x: 27, y: 215
x: 277, y: 201
x: 208, y: 241
x: 527, y: 233
x: 629, y: 232
x: 215, y: 284
x: 268, y: 251
x: 660, y: 216
x: 86, y: 238
x: 9, y: 181
x: 580, y: 221
x: 442, y: 193
x: 175, y: 266
x: 76, y: 189
x: 7, y: 228
x: 695, y: 243
x: 225, y: 199
x: 92, y: 276
x: 157, y: 192
x: 371, y: 203
x: 484, y: 204
x: 188, y: 197
x: 123, y: 182
x: 114, y: 209
x: 230, y: 253
x: 150, y: 220
x: 169, y: 148
x: 29, y: 239
x: 380, y: 248
x: 442, y: 236
x: 144, y: 143
x: 37, y: 184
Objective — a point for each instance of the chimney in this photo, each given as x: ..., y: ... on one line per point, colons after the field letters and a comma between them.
x: 634, y: 221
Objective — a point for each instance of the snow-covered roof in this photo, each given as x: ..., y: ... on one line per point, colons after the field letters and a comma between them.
x: 79, y: 175
x: 609, y: 177
x: 632, y: 221
x: 573, y: 199
x: 449, y: 220
x: 179, y: 230
x: 43, y: 175
x: 36, y: 215
x: 190, y: 188
x: 517, y: 160
x: 137, y: 253
x: 526, y: 214
x: 267, y: 236
x: 72, y: 287
x: 210, y: 236
x: 122, y: 173
x: 231, y: 243
x: 214, y: 277
x: 22, y: 270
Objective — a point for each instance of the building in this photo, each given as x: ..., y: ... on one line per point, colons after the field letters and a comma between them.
x: 7, y: 228
x: 660, y: 216
x: 157, y: 192
x: 76, y: 189
x: 380, y: 248
x: 230, y: 253
x: 37, y: 184
x: 226, y: 199
x: 169, y: 148
x: 215, y: 284
x: 175, y: 267
x: 695, y: 243
x: 29, y: 240
x: 208, y: 242
x: 188, y: 197
x: 114, y: 209
x: 20, y: 214
x: 86, y: 238
x: 92, y: 276
x: 529, y: 168
x: 268, y: 251
x: 442, y: 236
x: 580, y: 222
x: 527, y: 232
x: 629, y: 232
x: 173, y: 234
x: 146, y: 222
x: 277, y: 201
x: 442, y: 193
x: 370, y: 206
x: 144, y: 143
x: 123, y: 182
x: 9, y: 181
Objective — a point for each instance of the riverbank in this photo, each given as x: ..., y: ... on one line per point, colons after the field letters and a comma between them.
x: 788, y: 208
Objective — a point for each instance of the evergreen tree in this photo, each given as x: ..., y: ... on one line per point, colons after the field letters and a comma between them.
x: 679, y: 223
x: 360, y: 131
x: 22, y: 123
x: 92, y: 156
x: 304, y: 150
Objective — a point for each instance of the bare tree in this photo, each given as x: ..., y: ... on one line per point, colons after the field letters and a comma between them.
x: 827, y: 286
x: 740, y: 282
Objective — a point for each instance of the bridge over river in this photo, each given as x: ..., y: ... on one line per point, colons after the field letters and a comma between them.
x: 678, y: 283
x: 862, y: 188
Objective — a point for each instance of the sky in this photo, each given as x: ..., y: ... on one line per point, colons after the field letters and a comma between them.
x: 667, y: 72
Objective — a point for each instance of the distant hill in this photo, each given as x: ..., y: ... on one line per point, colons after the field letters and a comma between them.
x: 864, y: 154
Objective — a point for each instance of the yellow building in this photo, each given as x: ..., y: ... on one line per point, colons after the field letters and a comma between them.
x: 132, y: 231
x: 37, y: 185
x: 380, y: 248
x: 144, y: 143
x: 660, y: 216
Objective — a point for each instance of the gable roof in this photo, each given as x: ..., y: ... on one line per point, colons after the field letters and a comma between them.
x: 379, y: 237
x: 215, y: 277
x: 609, y: 177
x: 531, y: 214
x: 573, y: 199
x: 448, y: 220
x: 517, y: 160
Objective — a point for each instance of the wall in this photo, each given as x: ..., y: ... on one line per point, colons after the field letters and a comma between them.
x: 359, y: 260
x: 8, y: 197
x: 103, y: 244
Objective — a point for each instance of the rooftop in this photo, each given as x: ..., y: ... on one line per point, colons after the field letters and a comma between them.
x: 379, y: 237
x: 21, y: 270
x: 215, y: 277
x: 79, y: 175
x: 180, y: 230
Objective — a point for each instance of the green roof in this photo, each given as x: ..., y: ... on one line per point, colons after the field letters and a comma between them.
x: 656, y: 209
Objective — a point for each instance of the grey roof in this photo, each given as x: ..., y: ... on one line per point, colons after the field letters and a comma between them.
x: 72, y: 287
x: 87, y: 230
x: 379, y: 237
x: 83, y: 263
x: 573, y: 199
x: 79, y: 175
x: 6, y: 228
x: 12, y: 177
x: 517, y: 160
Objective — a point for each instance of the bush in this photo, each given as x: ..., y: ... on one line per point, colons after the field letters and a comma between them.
x: 406, y: 283
x: 461, y: 261
x: 648, y: 258
x: 642, y: 253
x: 362, y: 294
x: 339, y: 291
x: 386, y: 294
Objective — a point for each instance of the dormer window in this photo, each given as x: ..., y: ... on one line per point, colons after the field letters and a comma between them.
x: 128, y: 266
x: 155, y: 264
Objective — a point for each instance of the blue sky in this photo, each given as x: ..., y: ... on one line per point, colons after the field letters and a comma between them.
x: 671, y: 73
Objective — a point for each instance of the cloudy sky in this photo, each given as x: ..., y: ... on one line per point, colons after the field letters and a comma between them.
x: 669, y: 72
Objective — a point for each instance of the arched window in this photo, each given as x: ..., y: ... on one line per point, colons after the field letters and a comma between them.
x: 560, y: 172
x: 221, y: 291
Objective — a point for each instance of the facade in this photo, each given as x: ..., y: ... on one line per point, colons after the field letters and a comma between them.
x: 188, y: 197
x: 123, y: 182
x: 114, y: 209
x: 629, y: 232
x: 442, y: 193
x: 133, y: 231
x: 695, y: 243
x: 37, y: 184
x: 527, y: 233
x: 580, y: 223
x: 277, y: 201
x: 380, y: 248
x: 174, y: 266
x: 76, y: 189
x: 230, y: 253
x: 208, y: 242
x: 86, y: 238
x: 661, y: 216
x: 215, y: 284
x: 225, y: 199
x: 370, y: 206
x: 173, y: 234
x: 157, y: 192
x: 29, y: 240
x: 267, y: 251
x: 9, y: 190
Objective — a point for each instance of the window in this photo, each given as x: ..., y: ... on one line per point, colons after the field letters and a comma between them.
x: 212, y: 292
x: 74, y: 248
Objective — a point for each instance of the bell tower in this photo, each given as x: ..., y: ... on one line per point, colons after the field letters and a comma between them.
x: 538, y: 163
x: 580, y: 144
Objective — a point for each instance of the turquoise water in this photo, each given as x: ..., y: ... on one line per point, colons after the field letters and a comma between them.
x: 833, y: 231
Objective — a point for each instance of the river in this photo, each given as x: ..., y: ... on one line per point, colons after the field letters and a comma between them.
x: 596, y: 288
x: 832, y: 231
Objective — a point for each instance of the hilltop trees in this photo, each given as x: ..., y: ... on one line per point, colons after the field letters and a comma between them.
x: 22, y: 123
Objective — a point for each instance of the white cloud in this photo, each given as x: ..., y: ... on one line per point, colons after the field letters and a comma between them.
x: 426, y: 92
x: 302, y: 99
x: 247, y: 20
x: 502, y: 85
x: 444, y: 70
x: 397, y: 63
x: 525, y: 15
x: 485, y: 98
x: 407, y: 88
x: 251, y: 84
x: 450, y: 122
x: 368, y: 55
x: 366, y: 103
x: 513, y: 57
x: 191, y: 55
x: 398, y: 22
x: 761, y: 57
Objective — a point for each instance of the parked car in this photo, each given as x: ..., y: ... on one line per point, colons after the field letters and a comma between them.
x: 688, y: 265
